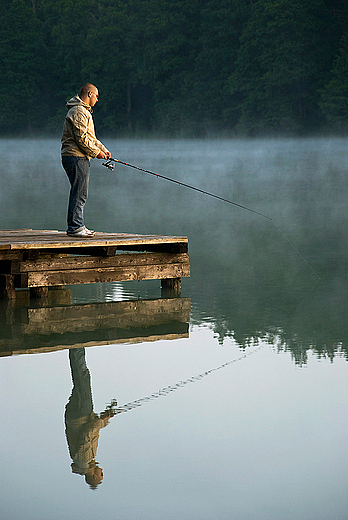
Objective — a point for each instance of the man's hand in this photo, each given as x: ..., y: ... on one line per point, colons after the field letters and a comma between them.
x: 104, y: 155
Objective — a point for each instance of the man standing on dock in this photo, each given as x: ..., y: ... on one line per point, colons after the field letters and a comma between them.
x: 79, y: 146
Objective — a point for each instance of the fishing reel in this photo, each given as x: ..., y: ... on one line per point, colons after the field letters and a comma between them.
x: 109, y: 164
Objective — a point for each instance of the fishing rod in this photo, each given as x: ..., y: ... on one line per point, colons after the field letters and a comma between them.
x: 109, y: 164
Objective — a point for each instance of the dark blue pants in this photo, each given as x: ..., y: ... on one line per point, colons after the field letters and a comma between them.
x: 77, y: 170
x: 80, y: 403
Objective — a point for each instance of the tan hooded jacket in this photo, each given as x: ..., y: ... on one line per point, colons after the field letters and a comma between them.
x: 83, y: 435
x: 78, y: 138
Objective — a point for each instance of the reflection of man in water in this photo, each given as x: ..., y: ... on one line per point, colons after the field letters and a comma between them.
x: 82, y: 425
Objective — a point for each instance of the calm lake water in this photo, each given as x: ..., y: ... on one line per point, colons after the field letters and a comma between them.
x: 232, y: 401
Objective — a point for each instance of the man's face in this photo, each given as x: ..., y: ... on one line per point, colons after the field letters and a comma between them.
x: 93, y: 97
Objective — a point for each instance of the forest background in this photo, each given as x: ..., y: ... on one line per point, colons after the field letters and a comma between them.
x: 179, y: 68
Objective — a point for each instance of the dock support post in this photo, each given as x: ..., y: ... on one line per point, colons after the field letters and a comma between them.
x: 38, y: 292
x: 7, y: 288
x: 170, y: 287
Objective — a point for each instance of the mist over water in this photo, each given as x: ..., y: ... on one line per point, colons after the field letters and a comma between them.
x: 255, y: 438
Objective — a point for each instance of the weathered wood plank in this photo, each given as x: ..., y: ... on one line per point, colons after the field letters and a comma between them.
x: 108, y: 274
x: 8, y: 254
x: 57, y: 239
x: 87, y: 262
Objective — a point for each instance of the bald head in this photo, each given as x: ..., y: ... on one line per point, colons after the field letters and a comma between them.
x: 89, y: 94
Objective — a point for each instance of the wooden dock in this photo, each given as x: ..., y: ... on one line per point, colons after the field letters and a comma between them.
x: 38, y: 260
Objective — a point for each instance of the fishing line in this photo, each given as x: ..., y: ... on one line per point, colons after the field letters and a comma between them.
x: 109, y: 164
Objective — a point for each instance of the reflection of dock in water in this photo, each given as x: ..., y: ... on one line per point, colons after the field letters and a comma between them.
x: 28, y: 329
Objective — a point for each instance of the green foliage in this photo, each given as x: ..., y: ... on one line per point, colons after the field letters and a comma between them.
x: 176, y: 67
x: 23, y: 57
x: 280, y: 62
x: 334, y: 99
x: 221, y: 28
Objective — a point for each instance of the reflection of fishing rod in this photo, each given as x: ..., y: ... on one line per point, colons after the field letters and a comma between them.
x: 112, y: 409
x: 109, y: 164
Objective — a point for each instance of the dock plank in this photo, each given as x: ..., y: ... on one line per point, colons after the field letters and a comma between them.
x: 97, y: 262
x: 43, y: 239
x: 108, y: 274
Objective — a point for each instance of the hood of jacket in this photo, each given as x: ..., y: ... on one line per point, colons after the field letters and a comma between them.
x: 76, y: 101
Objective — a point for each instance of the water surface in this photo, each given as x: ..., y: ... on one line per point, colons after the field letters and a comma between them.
x: 237, y: 409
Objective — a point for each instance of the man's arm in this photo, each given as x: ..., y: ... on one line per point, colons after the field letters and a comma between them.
x: 84, y: 135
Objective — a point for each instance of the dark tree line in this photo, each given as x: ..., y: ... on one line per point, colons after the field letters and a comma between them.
x: 174, y: 67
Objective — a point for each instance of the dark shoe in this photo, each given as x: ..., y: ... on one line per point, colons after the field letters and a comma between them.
x: 81, y: 232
